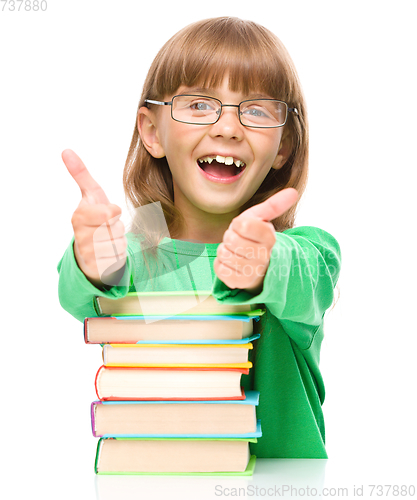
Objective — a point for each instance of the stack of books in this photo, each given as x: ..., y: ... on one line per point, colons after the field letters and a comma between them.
x: 170, y: 395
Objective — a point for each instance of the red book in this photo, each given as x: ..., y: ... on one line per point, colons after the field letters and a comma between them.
x: 157, y: 383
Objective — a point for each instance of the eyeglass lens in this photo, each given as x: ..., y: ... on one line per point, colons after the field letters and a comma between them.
x: 204, y: 110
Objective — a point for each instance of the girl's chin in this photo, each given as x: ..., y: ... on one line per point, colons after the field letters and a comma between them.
x: 218, y: 206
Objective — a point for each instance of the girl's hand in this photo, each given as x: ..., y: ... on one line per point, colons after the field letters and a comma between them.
x: 100, y: 242
x: 243, y: 256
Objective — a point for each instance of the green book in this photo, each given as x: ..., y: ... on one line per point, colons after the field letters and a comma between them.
x: 174, y: 456
x: 170, y: 303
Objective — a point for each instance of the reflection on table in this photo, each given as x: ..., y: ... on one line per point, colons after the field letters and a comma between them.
x: 273, y: 478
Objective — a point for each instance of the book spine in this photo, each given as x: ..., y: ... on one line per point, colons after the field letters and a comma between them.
x: 99, y: 444
x: 97, y: 307
x: 96, y: 381
x: 93, y: 417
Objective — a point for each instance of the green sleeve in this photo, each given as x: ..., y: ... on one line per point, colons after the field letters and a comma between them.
x: 76, y: 293
x: 299, y: 283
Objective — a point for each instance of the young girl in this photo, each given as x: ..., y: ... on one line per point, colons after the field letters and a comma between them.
x: 221, y: 142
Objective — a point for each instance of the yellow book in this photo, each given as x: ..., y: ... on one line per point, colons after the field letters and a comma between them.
x: 178, y: 355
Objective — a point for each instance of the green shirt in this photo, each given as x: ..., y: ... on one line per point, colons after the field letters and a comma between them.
x: 297, y: 291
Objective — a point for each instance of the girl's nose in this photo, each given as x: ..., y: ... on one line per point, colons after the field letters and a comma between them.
x: 228, y: 125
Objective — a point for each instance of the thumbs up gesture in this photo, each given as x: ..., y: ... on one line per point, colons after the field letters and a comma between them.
x: 100, y: 243
x: 244, y: 254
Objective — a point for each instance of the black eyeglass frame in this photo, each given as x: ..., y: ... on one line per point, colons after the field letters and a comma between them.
x: 169, y: 103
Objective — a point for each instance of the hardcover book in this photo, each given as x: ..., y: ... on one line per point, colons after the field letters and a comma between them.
x: 167, y: 303
x: 133, y: 329
x: 136, y: 383
x: 174, y: 456
x: 178, y: 355
x: 187, y: 418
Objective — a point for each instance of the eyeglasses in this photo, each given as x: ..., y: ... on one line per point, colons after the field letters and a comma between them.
x: 202, y: 110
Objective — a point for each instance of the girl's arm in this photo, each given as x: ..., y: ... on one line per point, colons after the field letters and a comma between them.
x: 293, y: 273
x: 298, y: 285
x: 95, y: 262
x: 76, y: 292
x: 244, y: 254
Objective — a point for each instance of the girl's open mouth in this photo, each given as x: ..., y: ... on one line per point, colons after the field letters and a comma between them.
x: 221, y: 167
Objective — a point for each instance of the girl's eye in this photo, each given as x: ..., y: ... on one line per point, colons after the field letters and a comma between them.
x: 201, y: 106
x: 255, y: 112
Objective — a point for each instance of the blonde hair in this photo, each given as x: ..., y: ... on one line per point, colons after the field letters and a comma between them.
x: 200, y: 55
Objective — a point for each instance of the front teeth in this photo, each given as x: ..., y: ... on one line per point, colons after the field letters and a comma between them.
x: 227, y: 160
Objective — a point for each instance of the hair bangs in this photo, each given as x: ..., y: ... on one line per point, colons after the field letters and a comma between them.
x: 251, y: 56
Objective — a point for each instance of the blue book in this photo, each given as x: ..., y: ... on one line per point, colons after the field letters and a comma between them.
x: 184, y: 419
x: 186, y: 328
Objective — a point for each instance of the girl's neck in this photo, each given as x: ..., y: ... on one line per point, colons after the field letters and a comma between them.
x: 208, y: 229
x: 207, y: 233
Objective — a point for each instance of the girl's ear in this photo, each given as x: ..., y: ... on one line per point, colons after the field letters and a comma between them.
x: 284, y: 150
x: 148, y: 132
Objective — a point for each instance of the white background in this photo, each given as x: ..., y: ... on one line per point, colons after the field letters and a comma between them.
x: 71, y: 77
